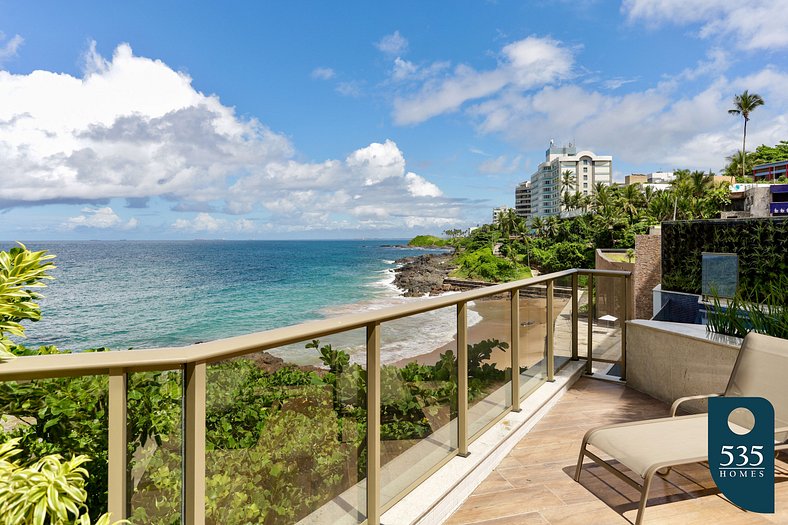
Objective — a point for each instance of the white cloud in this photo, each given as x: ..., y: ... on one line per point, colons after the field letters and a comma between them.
x: 323, y: 73
x: 202, y: 222
x: 133, y: 128
x: 349, y: 89
x: 526, y: 64
x: 661, y: 125
x: 9, y: 49
x: 420, y: 187
x: 393, y: 44
x: 501, y: 164
x: 99, y: 218
x: 753, y: 25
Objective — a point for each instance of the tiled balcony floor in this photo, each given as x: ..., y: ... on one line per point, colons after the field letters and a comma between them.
x: 534, y: 485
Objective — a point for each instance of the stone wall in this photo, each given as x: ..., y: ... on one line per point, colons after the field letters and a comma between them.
x: 648, y: 273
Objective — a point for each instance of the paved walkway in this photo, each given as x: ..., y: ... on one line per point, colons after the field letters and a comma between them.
x: 534, y: 485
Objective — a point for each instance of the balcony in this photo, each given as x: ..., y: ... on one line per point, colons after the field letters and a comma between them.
x: 379, y: 439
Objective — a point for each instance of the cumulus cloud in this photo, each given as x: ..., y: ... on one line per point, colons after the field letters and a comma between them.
x: 393, y: 44
x: 9, y: 49
x: 526, y: 64
x: 133, y: 128
x: 753, y: 25
x: 661, y: 125
x: 99, y: 218
x: 323, y: 73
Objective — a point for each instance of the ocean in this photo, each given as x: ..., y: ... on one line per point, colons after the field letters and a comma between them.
x: 151, y: 294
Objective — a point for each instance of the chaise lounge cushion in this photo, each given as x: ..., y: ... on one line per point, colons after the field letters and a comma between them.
x: 670, y: 441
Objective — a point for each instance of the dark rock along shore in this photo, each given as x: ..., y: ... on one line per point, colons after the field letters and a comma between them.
x: 423, y: 274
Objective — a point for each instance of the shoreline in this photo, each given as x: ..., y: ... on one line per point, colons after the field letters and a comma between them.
x: 494, y: 324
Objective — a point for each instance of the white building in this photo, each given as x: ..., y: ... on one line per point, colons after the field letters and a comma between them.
x: 522, y: 199
x: 497, y: 212
x: 585, y: 167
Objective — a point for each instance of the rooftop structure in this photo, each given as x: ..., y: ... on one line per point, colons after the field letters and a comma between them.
x: 770, y: 171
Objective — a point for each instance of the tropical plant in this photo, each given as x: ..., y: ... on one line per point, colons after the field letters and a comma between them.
x: 48, y: 491
x: 743, y: 105
x: 21, y: 271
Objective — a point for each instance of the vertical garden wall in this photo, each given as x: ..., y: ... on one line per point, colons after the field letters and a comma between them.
x: 761, y: 244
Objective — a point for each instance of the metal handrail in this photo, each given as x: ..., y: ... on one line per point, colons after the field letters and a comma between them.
x: 193, y: 361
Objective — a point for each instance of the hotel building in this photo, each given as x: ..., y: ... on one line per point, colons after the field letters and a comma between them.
x: 586, y: 167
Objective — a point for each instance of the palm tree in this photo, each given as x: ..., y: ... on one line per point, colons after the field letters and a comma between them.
x: 537, y: 224
x: 735, y: 163
x: 743, y: 105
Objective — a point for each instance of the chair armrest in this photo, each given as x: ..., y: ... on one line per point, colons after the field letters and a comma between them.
x: 681, y: 400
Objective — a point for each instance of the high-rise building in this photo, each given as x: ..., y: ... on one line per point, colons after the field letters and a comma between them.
x: 522, y: 200
x: 585, y: 169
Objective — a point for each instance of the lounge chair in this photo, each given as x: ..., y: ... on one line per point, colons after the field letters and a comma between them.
x: 654, y: 445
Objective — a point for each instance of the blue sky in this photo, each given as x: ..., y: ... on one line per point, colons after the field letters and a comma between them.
x: 269, y: 120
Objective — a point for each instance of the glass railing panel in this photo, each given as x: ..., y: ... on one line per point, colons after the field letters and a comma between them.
x: 65, y: 416
x: 533, y: 338
x: 562, y: 321
x: 154, y: 413
x: 582, y: 316
x: 489, y: 361
x: 418, y: 396
x: 286, y: 434
x: 608, y: 314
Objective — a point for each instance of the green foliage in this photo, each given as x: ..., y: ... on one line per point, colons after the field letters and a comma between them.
x: 20, y: 271
x: 423, y: 241
x: 47, y: 491
x: 740, y: 315
x: 481, y: 264
x: 761, y: 244
x: 765, y: 154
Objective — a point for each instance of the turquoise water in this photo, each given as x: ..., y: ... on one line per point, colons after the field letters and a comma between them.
x: 131, y: 294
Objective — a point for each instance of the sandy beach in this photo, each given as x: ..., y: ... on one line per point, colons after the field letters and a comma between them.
x: 495, y: 325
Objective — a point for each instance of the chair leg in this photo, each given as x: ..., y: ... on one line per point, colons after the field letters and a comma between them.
x: 644, y: 497
x: 580, y: 459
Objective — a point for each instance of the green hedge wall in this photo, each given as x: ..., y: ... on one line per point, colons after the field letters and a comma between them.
x: 762, y: 246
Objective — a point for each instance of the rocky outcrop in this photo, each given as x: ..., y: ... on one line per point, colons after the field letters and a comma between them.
x: 424, y: 274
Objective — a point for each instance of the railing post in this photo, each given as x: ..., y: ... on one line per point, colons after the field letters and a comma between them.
x: 627, y: 315
x: 117, y: 502
x: 462, y: 379
x: 549, y: 334
x: 373, y: 423
x: 194, y: 444
x: 575, y: 318
x: 514, y: 318
x: 590, y: 357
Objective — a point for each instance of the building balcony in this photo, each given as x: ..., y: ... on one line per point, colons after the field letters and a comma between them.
x: 375, y: 437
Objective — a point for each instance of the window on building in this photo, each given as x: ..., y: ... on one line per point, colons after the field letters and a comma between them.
x: 585, y: 170
x: 585, y: 185
x: 585, y: 162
